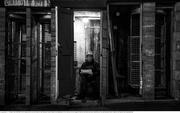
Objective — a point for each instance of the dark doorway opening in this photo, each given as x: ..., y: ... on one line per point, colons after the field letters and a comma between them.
x: 163, y: 35
x: 125, y: 27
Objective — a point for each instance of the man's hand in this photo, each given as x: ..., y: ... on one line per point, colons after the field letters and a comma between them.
x: 90, y: 73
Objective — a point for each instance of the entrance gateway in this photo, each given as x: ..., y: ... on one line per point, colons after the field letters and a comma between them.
x: 30, y: 49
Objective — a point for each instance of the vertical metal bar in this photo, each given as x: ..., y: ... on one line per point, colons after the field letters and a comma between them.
x: 56, y: 23
x: 43, y: 57
x: 141, y: 75
x: 172, y: 56
x: 40, y: 56
x: 101, y: 61
x: 130, y: 52
x: 38, y: 62
x: 53, y: 56
x: 19, y: 62
x: 164, y: 54
x: 14, y: 56
x: 28, y: 56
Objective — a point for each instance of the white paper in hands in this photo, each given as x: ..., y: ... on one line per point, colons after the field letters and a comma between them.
x: 86, y: 71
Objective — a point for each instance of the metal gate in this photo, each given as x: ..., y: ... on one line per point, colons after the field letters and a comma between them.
x: 134, y: 50
x: 29, y: 55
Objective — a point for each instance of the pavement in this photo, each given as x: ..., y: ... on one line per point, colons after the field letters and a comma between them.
x: 122, y: 106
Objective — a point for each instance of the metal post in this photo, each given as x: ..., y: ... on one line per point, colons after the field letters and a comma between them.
x: 28, y: 56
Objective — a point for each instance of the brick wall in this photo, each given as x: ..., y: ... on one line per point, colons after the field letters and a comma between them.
x: 148, y: 49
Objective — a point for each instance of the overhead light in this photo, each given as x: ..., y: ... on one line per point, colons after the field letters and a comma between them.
x: 16, y: 16
x: 46, y: 17
x: 117, y: 13
x: 85, y: 20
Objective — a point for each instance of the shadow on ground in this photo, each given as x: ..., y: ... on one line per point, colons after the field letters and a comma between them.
x: 130, y: 106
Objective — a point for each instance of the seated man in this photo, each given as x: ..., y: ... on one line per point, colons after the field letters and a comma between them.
x: 89, y: 73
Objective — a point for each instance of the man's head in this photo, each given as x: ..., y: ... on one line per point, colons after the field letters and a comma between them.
x: 89, y: 57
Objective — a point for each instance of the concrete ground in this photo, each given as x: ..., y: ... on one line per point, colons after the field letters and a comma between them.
x: 122, y: 106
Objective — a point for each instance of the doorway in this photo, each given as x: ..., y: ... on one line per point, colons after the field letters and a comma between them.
x: 126, y: 81
x: 126, y: 30
x: 87, y: 29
